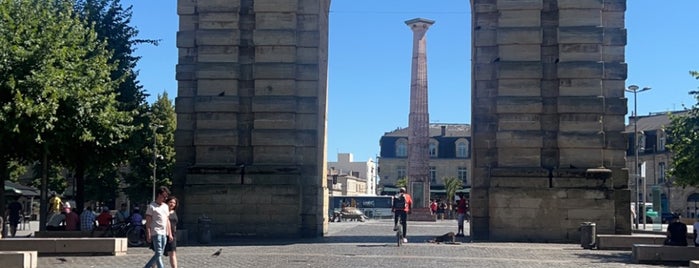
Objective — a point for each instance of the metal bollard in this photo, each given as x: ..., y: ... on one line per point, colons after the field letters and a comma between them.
x: 588, y: 232
x: 204, y: 229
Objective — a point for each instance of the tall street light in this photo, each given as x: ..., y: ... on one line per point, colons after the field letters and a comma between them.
x: 155, y: 154
x: 635, y: 90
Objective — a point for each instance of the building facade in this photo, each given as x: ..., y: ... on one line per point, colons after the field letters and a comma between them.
x: 364, y: 171
x: 449, y: 156
x: 653, y: 151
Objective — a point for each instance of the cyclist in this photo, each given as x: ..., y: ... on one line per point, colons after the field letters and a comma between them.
x: 402, y: 203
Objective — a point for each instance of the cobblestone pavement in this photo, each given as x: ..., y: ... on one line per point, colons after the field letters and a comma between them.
x: 367, y: 244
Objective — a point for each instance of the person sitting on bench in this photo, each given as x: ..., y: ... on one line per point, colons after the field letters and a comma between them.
x: 676, y: 233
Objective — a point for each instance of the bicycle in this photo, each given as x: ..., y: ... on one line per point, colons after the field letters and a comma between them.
x: 135, y: 234
x: 399, y: 233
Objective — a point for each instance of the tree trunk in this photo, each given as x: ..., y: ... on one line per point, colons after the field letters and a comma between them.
x: 80, y: 186
x: 43, y: 205
x: 3, y: 176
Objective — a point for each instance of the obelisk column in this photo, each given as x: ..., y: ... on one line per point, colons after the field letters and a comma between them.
x: 419, y: 119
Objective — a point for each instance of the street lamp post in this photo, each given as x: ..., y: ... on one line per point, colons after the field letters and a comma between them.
x: 155, y: 154
x: 635, y: 90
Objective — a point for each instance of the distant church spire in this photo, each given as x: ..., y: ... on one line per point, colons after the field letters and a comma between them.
x: 419, y: 119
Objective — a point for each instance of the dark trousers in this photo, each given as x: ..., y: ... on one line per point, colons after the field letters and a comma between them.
x: 400, y: 214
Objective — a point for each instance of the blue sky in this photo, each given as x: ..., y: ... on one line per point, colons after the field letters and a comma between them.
x: 370, y: 53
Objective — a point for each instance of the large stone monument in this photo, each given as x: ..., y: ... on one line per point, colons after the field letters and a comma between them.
x: 251, y: 116
x: 548, y: 112
x: 419, y: 117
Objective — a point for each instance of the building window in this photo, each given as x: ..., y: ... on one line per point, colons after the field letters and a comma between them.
x: 661, y: 172
x: 461, y: 149
x: 402, y: 148
x: 462, y: 172
x: 400, y: 171
x: 433, y: 148
x: 433, y: 174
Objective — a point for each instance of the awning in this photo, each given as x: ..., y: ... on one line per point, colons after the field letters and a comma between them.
x: 16, y: 189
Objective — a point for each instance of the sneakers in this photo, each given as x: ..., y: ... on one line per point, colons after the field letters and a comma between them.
x: 405, y: 240
x: 395, y: 228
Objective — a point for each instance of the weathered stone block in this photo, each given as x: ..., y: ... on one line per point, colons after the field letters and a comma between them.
x: 519, y: 87
x: 185, y: 7
x: 519, y: 4
x: 579, y: 17
x: 307, y: 55
x: 580, y: 69
x: 580, y: 139
x: 614, y: 88
x: 217, y: 71
x: 519, y: 52
x: 216, y: 104
x: 312, y: 6
x: 578, y: 122
x: 186, y: 39
x: 307, y: 72
x: 275, y: 6
x: 274, y: 37
x: 519, y: 35
x: 217, y: 37
x: 613, y: 19
x: 218, y: 6
x: 580, y: 87
x: 308, y: 88
x: 309, y: 39
x: 580, y: 157
x: 613, y: 54
x: 580, y: 4
x: 274, y: 154
x: 519, y: 70
x: 520, y: 18
x: 580, y: 52
x: 274, y: 121
x: 519, y: 157
x: 275, y: 71
x: 218, y: 20
x: 186, y: 88
x: 185, y: 121
x: 614, y: 5
x: 615, y: 70
x: 275, y: 21
x: 214, y: 137
x: 184, y: 104
x: 519, y: 182
x: 581, y: 35
x: 216, y: 87
x: 614, y: 37
x: 519, y: 105
x: 508, y: 122
x: 485, y: 37
x: 214, y: 121
x: 188, y: 22
x: 217, y: 53
x: 267, y: 87
x: 580, y: 105
x: 307, y: 121
x: 308, y: 23
x: 275, y: 54
x: 215, y: 155
x: 519, y: 139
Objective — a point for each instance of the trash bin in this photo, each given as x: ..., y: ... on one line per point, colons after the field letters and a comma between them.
x: 588, y: 232
x: 204, y: 229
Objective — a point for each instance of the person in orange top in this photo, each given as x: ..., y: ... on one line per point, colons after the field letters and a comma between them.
x: 402, y: 203
x: 104, y: 219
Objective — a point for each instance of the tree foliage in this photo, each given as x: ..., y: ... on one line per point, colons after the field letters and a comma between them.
x: 683, y: 141
x: 159, y: 129
x: 451, y: 185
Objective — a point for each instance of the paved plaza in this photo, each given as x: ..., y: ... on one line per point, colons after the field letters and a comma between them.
x: 363, y: 244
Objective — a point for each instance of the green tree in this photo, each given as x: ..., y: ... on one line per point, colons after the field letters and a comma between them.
x: 49, y: 62
x: 683, y: 141
x: 402, y: 182
x: 451, y: 185
x: 160, y: 129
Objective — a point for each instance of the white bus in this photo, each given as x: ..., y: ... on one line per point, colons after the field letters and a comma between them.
x: 371, y: 206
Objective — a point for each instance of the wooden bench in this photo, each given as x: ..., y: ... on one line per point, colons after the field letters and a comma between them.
x: 55, y: 234
x: 20, y: 259
x: 69, y: 245
x: 644, y: 253
x: 625, y: 242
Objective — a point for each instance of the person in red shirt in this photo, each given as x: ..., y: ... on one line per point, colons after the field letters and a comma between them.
x: 461, y: 209
x: 402, y: 203
x: 433, y: 206
x: 104, y: 219
x: 72, y: 219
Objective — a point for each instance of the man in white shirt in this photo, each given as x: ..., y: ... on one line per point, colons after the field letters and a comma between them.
x: 158, y: 226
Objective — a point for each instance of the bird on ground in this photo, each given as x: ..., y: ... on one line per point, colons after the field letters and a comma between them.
x: 63, y: 260
x: 217, y: 253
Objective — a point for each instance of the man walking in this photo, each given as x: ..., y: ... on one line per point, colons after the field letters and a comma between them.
x: 402, y: 203
x: 158, y: 226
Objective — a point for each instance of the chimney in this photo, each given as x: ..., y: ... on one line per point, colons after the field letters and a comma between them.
x: 444, y: 130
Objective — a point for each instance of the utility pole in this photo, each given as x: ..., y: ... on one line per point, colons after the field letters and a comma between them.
x: 637, y: 174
